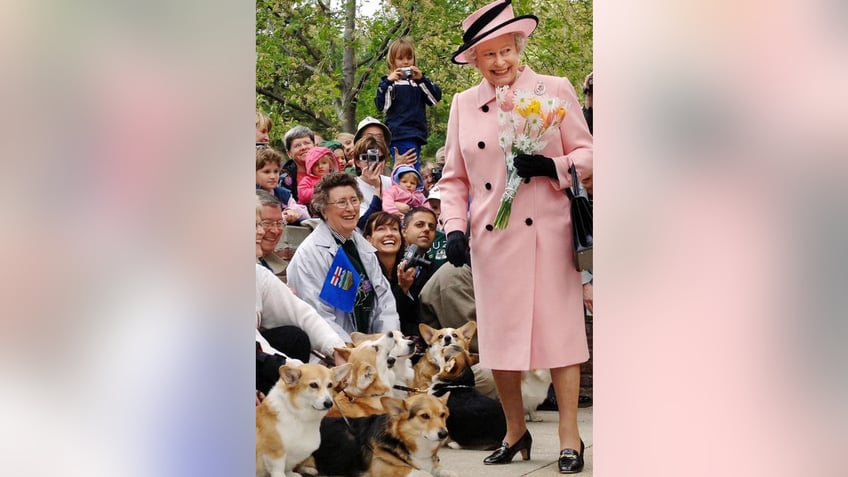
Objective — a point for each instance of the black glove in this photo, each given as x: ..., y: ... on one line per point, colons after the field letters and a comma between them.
x: 457, y: 249
x: 535, y: 165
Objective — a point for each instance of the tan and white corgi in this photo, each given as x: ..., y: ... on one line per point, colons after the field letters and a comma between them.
x: 403, y: 442
x: 367, y: 381
x: 288, y: 419
x: 400, y: 370
x: 429, y: 364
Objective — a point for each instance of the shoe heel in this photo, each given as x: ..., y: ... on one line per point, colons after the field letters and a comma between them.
x: 525, y: 454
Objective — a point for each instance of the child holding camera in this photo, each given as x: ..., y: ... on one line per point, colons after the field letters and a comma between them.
x: 406, y: 192
x: 403, y: 96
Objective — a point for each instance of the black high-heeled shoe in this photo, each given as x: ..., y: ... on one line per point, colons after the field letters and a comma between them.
x: 570, y: 462
x: 505, y: 453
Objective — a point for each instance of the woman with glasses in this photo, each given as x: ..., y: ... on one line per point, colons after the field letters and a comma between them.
x: 336, y: 270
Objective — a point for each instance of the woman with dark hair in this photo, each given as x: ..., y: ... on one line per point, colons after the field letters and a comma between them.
x: 391, y: 239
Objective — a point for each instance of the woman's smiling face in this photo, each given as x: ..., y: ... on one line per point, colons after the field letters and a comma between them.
x: 497, y: 60
x: 386, y: 238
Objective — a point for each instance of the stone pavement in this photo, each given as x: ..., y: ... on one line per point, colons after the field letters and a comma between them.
x: 543, y: 456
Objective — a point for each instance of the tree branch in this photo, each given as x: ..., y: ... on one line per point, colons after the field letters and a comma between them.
x: 381, y: 53
x: 384, y: 46
x: 286, y: 16
x: 294, y: 106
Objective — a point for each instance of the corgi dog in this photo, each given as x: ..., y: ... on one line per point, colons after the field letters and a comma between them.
x: 400, y: 372
x: 437, y: 340
x: 476, y: 421
x: 404, y: 442
x: 534, y: 390
x: 288, y: 419
x: 366, y: 381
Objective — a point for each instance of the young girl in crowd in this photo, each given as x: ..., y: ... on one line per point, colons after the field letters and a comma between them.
x: 263, y: 128
x: 338, y: 151
x: 403, y: 96
x: 406, y: 191
x: 268, y: 163
x: 347, y: 141
x: 320, y: 161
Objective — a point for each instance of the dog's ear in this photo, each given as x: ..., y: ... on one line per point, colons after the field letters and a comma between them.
x: 367, y: 377
x: 344, y: 352
x: 450, y: 365
x: 444, y: 399
x: 473, y: 358
x: 427, y: 331
x: 357, y: 337
x: 289, y: 375
x: 393, y: 406
x: 467, y: 330
x: 340, y: 373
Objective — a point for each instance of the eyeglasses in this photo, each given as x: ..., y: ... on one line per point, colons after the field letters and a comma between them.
x: 267, y: 224
x: 342, y: 204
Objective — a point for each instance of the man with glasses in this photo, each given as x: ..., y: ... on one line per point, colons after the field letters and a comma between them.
x: 271, y: 219
x: 317, y: 264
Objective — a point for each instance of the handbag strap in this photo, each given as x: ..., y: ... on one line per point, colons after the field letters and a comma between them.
x: 576, y: 189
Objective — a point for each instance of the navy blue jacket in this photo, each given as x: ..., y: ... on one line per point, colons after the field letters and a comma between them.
x: 403, y: 103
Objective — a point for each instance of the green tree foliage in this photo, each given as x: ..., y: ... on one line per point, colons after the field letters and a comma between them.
x: 319, y: 63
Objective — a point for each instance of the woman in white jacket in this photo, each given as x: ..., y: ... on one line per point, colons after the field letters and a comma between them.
x: 337, y: 199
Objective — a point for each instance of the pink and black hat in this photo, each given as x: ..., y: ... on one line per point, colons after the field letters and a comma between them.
x: 495, y: 19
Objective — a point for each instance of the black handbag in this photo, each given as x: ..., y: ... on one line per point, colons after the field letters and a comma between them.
x: 581, y: 222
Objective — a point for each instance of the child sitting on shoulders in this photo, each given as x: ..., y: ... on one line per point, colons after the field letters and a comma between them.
x: 268, y: 161
x: 320, y: 161
x: 406, y: 192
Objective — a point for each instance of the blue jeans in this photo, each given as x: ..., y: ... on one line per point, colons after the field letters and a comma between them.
x: 402, y: 147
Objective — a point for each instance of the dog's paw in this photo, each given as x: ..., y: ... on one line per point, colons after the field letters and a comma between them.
x: 307, y: 470
x: 293, y: 474
x: 454, y: 445
x: 444, y: 473
x: 532, y: 417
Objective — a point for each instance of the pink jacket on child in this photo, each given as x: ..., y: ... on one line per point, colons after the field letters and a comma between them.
x: 306, y: 184
x: 396, y: 193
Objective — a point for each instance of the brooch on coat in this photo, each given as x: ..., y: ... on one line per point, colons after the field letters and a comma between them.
x: 540, y: 89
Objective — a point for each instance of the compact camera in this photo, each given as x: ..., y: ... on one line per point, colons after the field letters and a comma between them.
x: 370, y: 156
x: 437, y: 174
x: 414, y: 257
x: 406, y: 72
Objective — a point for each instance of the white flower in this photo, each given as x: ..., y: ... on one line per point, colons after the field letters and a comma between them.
x: 503, y: 117
x: 505, y: 140
x: 534, y: 123
x: 523, y: 143
x: 522, y: 98
x: 549, y: 104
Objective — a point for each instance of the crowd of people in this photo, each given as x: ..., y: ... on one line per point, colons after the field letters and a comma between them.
x: 389, y: 242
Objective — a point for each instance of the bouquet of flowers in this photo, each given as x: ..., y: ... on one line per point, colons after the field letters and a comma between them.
x: 523, y: 118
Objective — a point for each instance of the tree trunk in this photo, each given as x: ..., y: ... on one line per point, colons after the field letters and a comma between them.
x: 348, y: 69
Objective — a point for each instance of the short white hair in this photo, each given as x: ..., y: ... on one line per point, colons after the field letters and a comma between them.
x: 520, y: 44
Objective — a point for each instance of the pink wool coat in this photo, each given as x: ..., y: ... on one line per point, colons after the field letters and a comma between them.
x: 528, y: 292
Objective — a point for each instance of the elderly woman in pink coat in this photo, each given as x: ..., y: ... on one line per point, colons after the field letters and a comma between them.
x: 528, y: 291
